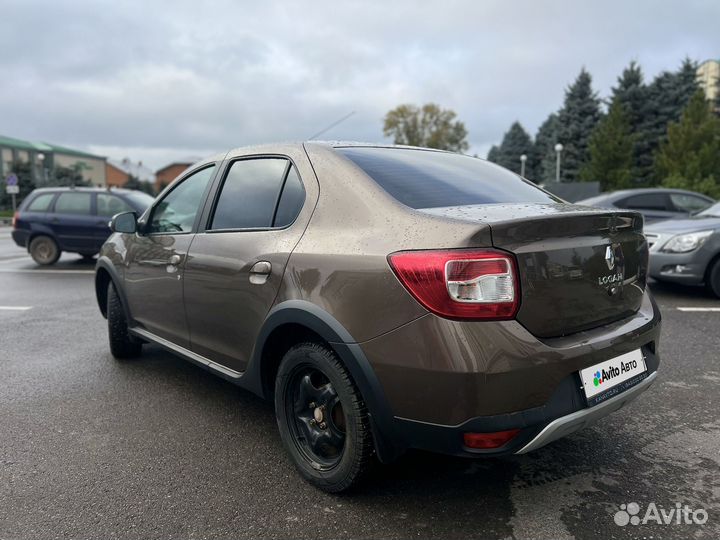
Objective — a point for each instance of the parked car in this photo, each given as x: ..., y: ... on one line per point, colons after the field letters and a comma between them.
x: 388, y: 298
x: 52, y: 220
x: 653, y: 203
x: 687, y: 250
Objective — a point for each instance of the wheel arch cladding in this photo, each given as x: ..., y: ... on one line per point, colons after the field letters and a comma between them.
x: 105, y: 274
x: 295, y: 321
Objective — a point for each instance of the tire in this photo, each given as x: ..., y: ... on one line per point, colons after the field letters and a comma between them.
x: 311, y: 379
x: 712, y: 281
x: 122, y: 345
x: 44, y: 250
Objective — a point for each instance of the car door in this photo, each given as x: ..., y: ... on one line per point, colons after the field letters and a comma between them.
x: 235, y: 266
x: 36, y: 213
x: 73, y: 223
x: 157, y: 254
x: 106, y: 206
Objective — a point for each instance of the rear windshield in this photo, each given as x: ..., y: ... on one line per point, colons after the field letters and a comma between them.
x: 427, y: 179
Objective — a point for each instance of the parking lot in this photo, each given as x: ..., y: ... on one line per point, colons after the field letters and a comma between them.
x: 93, y: 447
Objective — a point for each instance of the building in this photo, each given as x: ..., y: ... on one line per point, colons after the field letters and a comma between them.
x: 118, y: 172
x: 170, y: 172
x: 44, y: 158
x: 708, y: 74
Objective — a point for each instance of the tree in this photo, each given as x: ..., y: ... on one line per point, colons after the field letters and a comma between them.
x: 25, y: 184
x: 690, y: 157
x: 135, y: 183
x: 632, y: 94
x: 668, y: 95
x: 428, y: 126
x: 544, y: 150
x: 611, y: 151
x: 576, y: 120
x: 515, y: 143
x: 67, y: 176
x: 494, y: 153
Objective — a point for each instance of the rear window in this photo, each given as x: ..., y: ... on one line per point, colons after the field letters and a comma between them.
x: 427, y: 179
x: 41, y: 203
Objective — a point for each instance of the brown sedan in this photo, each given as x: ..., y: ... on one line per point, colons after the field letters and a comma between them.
x: 388, y: 298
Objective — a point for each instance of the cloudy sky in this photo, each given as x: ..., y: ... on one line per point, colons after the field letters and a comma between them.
x: 158, y: 81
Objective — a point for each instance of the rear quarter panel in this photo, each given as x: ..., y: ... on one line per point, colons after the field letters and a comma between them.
x: 340, y: 264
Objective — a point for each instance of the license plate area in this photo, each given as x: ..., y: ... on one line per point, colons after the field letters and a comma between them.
x: 613, y: 376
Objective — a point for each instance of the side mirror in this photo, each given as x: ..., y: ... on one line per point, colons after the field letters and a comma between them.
x: 124, y: 223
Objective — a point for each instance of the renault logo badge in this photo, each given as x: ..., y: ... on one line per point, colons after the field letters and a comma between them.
x: 610, y: 257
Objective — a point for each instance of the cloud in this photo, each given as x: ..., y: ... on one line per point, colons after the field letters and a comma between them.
x: 164, y: 80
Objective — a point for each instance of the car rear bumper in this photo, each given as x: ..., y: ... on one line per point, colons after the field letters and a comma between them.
x: 565, y: 413
x: 565, y: 425
x: 20, y: 237
x: 445, y: 378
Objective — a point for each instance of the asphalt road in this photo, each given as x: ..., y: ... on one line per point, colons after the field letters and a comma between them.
x: 157, y: 448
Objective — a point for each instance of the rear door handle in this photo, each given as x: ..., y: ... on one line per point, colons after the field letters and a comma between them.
x: 261, y: 267
x: 260, y: 272
x: 174, y: 260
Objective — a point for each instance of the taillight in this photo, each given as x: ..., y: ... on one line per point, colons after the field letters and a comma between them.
x: 460, y: 284
x: 14, y: 220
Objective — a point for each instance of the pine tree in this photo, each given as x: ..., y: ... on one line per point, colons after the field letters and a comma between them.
x: 515, y: 143
x: 576, y: 121
x: 632, y: 94
x: 611, y: 151
x: 690, y: 157
x: 668, y: 95
x: 493, y: 153
x: 544, y: 150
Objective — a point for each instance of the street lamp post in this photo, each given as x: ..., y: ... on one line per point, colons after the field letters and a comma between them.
x: 523, y: 159
x: 558, y: 151
x: 41, y: 160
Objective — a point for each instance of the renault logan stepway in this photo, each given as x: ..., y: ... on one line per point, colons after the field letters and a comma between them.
x: 388, y: 298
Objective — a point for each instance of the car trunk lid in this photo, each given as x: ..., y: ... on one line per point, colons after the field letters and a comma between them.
x: 579, y: 267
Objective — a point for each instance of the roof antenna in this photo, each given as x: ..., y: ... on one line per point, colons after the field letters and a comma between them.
x: 331, y: 126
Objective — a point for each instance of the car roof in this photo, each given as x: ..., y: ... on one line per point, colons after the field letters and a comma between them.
x: 84, y: 189
x: 270, y: 147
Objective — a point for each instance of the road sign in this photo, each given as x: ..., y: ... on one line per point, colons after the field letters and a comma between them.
x: 12, y: 189
x: 11, y: 180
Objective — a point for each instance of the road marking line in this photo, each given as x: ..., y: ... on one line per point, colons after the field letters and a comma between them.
x: 15, y: 308
x: 56, y: 272
x: 698, y: 309
x: 25, y: 258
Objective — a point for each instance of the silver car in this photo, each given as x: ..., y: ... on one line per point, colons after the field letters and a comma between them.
x: 687, y: 250
x: 654, y: 204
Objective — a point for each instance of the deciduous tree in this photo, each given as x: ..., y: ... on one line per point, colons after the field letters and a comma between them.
x: 429, y: 126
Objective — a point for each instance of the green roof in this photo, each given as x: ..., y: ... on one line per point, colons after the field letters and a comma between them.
x: 44, y: 147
